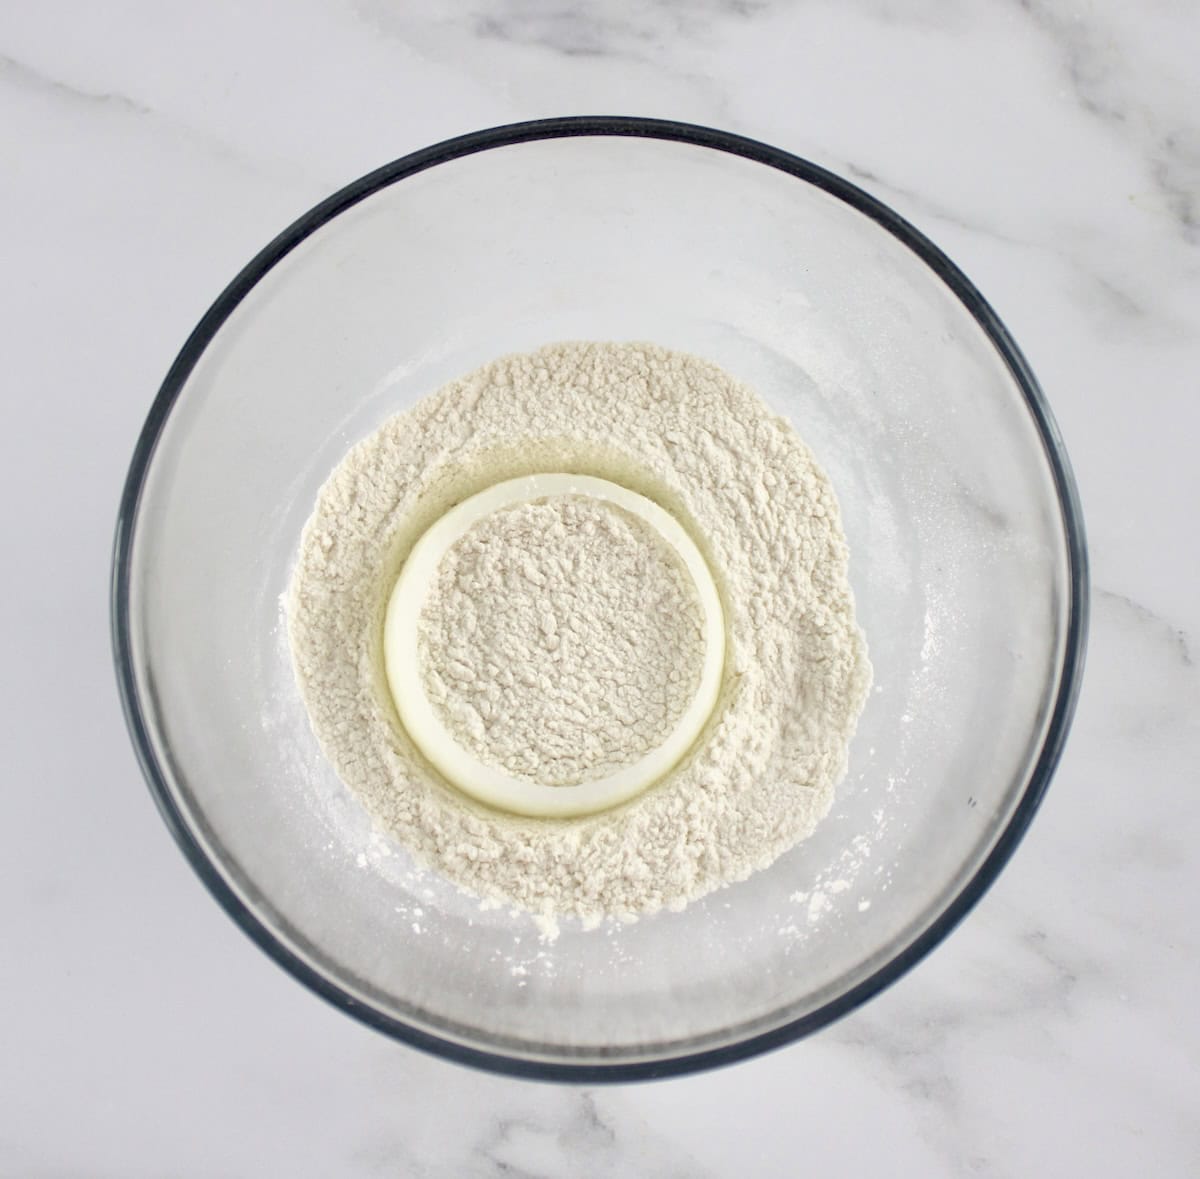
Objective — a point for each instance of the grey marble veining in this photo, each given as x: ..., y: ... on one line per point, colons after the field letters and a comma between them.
x: 1176, y: 638
x: 1052, y: 149
x: 20, y: 74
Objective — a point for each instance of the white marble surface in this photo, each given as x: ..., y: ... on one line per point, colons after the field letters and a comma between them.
x: 149, y: 149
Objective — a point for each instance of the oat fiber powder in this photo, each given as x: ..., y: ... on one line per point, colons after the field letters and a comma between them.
x: 562, y: 641
x: 687, y: 435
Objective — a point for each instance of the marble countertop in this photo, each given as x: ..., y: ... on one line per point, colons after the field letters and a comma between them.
x: 1052, y: 148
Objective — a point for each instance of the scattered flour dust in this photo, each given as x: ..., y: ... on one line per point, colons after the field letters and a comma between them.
x: 687, y: 435
x: 561, y: 703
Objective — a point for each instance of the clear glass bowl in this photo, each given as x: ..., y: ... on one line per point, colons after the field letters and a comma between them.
x: 967, y: 559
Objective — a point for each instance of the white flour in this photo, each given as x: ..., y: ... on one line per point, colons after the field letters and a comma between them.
x: 684, y: 433
x: 562, y: 641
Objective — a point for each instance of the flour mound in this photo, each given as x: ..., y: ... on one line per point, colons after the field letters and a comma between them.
x: 684, y: 433
x: 562, y: 640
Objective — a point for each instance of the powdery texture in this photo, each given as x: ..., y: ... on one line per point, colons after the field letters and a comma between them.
x: 561, y: 641
x: 706, y: 447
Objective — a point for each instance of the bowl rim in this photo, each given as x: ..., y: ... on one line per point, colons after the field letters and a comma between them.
x: 1070, y: 673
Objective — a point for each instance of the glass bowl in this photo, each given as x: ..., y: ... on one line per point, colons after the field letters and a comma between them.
x: 967, y: 560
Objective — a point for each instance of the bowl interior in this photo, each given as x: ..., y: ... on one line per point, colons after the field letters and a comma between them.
x: 959, y: 559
